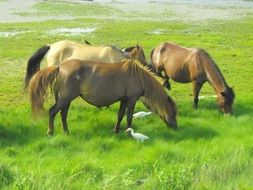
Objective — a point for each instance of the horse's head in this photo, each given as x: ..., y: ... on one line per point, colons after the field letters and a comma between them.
x: 170, y: 116
x: 136, y: 52
x: 225, y: 100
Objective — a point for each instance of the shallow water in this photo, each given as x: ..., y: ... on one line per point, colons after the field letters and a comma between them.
x: 183, y: 9
x: 72, y: 31
x: 10, y: 34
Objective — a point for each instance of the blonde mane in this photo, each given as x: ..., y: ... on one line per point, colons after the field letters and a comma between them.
x: 155, y: 96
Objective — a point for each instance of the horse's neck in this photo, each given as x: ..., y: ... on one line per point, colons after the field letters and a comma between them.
x: 215, y: 78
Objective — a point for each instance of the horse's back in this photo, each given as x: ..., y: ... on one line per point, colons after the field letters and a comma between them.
x: 179, y: 63
x: 61, y: 51
x: 67, y: 50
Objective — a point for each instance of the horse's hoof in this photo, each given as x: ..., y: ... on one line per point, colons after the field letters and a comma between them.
x: 167, y: 85
x: 66, y: 133
x: 194, y: 106
x: 116, y: 130
x: 50, y: 133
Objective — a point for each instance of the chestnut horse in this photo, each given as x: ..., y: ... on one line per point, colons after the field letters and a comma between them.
x: 64, y: 50
x: 101, y: 85
x: 194, y: 65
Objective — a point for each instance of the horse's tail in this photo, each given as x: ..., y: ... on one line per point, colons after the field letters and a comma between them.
x: 38, y: 87
x: 33, y: 64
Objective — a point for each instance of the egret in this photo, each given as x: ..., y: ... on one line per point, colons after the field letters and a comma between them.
x: 137, y: 136
x: 141, y: 114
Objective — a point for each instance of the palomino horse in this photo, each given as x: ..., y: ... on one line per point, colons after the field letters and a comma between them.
x: 101, y: 85
x: 64, y: 50
x: 192, y: 65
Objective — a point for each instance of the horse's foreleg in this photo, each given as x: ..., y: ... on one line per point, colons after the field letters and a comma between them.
x: 55, y: 92
x: 130, y: 111
x: 166, y: 78
x: 166, y: 83
x: 121, y: 113
x: 64, y: 113
x: 52, y: 112
x: 196, y: 89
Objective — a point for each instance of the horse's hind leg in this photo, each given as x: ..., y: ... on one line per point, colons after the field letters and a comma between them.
x: 196, y: 89
x: 130, y: 110
x: 52, y: 112
x: 121, y: 113
x: 59, y: 105
x: 64, y: 113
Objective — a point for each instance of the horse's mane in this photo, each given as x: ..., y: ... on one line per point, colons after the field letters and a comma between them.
x: 129, y: 48
x: 213, y: 71
x: 117, y: 49
x: 155, y: 95
x: 212, y: 65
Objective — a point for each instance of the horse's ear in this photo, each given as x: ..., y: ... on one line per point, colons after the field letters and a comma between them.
x: 137, y: 46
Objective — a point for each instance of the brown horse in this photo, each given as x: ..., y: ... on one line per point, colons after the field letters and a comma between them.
x: 64, y: 50
x: 192, y: 65
x: 101, y: 85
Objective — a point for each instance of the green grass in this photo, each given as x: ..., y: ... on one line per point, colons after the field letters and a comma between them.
x: 209, y: 151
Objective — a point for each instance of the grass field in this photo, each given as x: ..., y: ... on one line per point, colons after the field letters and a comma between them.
x: 209, y: 151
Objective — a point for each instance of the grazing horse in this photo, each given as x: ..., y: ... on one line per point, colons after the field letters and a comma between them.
x: 101, y: 85
x: 195, y: 65
x: 64, y: 50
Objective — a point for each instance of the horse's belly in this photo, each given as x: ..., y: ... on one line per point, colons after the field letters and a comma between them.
x: 179, y: 76
x: 100, y: 95
x: 181, y: 79
x: 98, y: 100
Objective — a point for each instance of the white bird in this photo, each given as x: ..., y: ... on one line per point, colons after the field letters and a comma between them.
x: 141, y: 114
x: 207, y: 96
x: 137, y: 136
